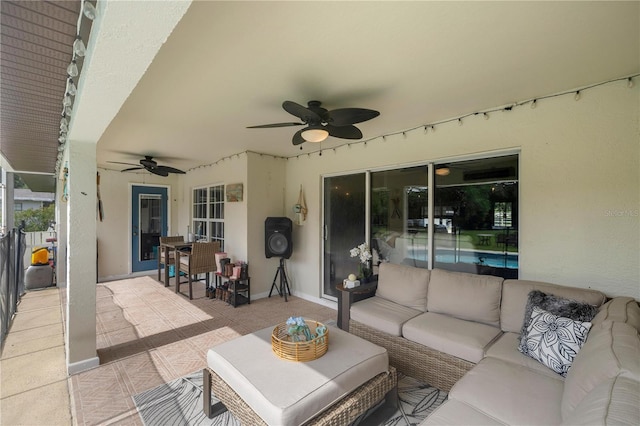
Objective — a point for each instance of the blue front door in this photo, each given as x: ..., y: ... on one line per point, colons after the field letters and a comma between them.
x: 148, y: 223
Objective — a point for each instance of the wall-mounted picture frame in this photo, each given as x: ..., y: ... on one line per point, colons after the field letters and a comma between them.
x: 234, y: 192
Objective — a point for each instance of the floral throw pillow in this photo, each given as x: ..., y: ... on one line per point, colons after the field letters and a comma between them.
x: 555, y: 341
x: 560, y: 306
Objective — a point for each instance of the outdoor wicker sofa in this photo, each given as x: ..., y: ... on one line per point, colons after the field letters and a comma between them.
x: 460, y: 332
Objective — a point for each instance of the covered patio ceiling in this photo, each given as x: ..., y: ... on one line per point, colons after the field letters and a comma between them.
x: 229, y: 65
x: 36, y: 41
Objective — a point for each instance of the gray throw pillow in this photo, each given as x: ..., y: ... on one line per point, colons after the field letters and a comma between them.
x: 555, y: 305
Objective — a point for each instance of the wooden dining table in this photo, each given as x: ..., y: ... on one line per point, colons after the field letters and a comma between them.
x: 166, y: 249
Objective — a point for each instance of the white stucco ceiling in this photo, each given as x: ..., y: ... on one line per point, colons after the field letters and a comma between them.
x: 229, y: 65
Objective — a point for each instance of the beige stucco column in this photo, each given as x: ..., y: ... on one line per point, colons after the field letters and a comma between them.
x: 81, y: 258
x: 125, y: 37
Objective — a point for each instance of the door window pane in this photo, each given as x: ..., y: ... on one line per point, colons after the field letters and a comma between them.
x: 150, y: 225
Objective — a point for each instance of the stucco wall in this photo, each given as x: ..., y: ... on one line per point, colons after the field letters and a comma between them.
x: 114, y: 232
x: 265, y: 194
x: 579, y: 185
x: 579, y: 192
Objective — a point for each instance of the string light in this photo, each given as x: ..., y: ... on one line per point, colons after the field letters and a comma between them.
x: 72, y: 69
x: 533, y: 103
x: 71, y: 87
x: 89, y: 10
x: 78, y: 49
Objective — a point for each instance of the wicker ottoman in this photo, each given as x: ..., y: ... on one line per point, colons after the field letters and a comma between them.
x: 260, y: 388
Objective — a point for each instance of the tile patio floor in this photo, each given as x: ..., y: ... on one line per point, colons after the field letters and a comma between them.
x: 146, y: 335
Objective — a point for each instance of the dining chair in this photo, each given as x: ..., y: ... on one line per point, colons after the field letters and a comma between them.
x: 200, y: 260
x: 172, y: 255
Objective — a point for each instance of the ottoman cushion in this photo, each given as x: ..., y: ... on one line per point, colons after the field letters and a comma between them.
x: 287, y: 392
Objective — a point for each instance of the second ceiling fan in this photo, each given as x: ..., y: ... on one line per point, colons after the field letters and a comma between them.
x: 150, y: 165
x: 321, y: 123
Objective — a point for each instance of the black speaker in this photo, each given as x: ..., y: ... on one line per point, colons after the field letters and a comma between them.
x: 277, y: 237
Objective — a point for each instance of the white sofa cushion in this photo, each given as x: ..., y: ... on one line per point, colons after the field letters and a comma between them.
x: 613, y: 402
x: 515, y: 294
x: 404, y: 285
x: 457, y: 413
x: 623, y: 309
x: 511, y: 394
x: 465, y: 296
x: 283, y: 392
x: 460, y: 338
x: 506, y: 349
x: 382, y: 314
x: 612, y: 349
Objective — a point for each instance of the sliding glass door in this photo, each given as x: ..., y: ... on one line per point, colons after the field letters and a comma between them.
x: 345, y: 216
x: 460, y: 216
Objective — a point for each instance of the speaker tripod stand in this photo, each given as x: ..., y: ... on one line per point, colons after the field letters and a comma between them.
x: 283, y: 289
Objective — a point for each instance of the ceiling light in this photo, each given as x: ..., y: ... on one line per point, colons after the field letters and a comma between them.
x: 315, y: 134
x: 443, y: 171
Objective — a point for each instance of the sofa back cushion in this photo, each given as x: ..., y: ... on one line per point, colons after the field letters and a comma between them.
x: 404, y: 285
x: 515, y: 294
x: 611, y: 350
x: 465, y: 296
x: 623, y: 309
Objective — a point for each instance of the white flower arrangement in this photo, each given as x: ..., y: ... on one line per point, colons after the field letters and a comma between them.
x: 364, y: 254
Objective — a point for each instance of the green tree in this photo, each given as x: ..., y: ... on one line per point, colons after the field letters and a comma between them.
x: 36, y: 219
x: 18, y: 182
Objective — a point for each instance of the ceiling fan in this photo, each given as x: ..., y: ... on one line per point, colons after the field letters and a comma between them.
x: 150, y: 165
x: 321, y: 123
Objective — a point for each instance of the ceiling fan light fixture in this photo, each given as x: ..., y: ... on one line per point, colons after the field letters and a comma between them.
x: 315, y: 134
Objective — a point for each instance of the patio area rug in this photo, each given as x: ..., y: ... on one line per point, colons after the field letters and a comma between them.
x: 180, y: 403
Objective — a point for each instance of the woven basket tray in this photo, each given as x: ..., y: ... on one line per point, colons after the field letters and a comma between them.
x: 299, y: 351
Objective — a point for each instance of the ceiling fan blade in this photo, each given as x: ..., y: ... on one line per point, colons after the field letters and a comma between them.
x: 132, y: 168
x: 297, y: 138
x: 344, y: 132
x: 168, y: 169
x: 267, y: 126
x: 120, y: 162
x: 155, y: 171
x: 305, y: 114
x: 346, y: 116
